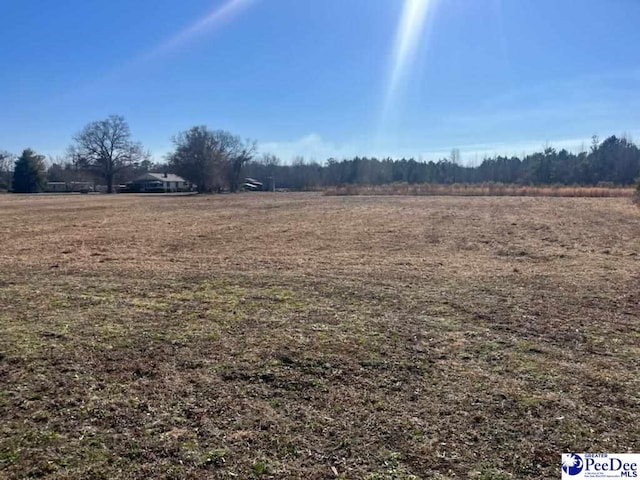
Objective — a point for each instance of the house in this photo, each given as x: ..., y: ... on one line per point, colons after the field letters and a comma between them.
x: 160, y: 182
x: 56, y: 187
x: 252, y: 185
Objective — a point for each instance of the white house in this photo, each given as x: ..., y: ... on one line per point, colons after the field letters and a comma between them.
x: 160, y: 182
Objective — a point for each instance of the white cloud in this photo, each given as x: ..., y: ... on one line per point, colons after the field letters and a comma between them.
x: 311, y: 147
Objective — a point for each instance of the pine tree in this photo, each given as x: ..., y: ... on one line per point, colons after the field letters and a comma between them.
x: 29, y: 174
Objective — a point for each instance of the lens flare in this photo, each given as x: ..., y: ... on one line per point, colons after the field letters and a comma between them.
x: 410, y: 32
x: 411, y: 27
x: 212, y: 20
x: 216, y: 18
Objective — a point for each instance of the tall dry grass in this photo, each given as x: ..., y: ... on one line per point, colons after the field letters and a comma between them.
x: 483, y: 189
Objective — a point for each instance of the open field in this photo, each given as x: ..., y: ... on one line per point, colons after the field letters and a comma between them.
x: 481, y: 189
x: 295, y: 336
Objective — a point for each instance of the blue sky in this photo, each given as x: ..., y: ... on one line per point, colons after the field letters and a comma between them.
x: 321, y: 78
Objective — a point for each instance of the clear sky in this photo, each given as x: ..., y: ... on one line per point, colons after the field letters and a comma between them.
x: 322, y: 78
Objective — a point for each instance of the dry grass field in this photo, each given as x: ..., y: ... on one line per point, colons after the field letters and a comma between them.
x: 481, y: 189
x: 292, y: 336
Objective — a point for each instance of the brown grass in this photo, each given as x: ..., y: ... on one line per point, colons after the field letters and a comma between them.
x: 296, y: 336
x: 483, y: 189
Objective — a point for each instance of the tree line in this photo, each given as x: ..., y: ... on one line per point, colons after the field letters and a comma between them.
x: 216, y: 161
x: 614, y: 161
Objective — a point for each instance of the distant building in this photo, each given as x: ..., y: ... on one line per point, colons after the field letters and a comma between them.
x: 57, y: 187
x: 159, y: 183
x: 252, y: 185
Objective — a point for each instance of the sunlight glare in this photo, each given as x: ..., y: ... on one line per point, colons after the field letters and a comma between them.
x: 213, y: 19
x: 410, y: 31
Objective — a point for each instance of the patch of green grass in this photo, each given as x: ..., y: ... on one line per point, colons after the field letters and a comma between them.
x: 59, y: 302
x: 9, y: 456
x: 261, y: 467
x: 288, y: 450
x: 417, y: 434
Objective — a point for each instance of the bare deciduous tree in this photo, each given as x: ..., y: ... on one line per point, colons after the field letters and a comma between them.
x: 212, y: 160
x: 239, y: 154
x: 105, y: 147
x: 7, y: 161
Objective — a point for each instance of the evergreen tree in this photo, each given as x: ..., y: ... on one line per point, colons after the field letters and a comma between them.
x: 29, y: 174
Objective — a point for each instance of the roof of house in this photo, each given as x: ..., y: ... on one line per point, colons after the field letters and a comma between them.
x: 252, y: 180
x: 160, y: 177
